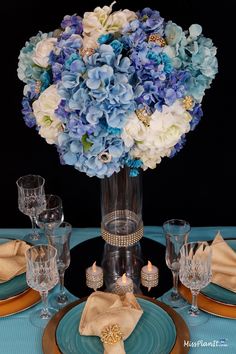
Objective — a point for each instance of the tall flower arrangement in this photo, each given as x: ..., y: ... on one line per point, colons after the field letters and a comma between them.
x: 116, y: 88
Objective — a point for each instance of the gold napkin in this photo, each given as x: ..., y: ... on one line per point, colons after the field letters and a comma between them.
x: 12, y: 259
x: 110, y: 317
x: 223, y: 264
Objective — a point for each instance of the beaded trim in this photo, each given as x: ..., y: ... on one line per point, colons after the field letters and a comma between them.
x: 122, y: 240
x: 122, y: 290
x: 94, y: 282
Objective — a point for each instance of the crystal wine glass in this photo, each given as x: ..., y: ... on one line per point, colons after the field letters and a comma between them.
x: 176, y: 233
x: 195, y: 274
x: 42, y: 276
x: 60, y: 239
x: 52, y: 216
x: 31, y: 201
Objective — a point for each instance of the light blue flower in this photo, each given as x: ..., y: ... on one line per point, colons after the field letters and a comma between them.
x: 173, y: 33
x: 27, y: 69
x: 99, y: 76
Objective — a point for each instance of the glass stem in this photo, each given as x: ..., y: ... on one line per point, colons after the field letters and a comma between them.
x: 62, y: 298
x: 175, y: 293
x: 35, y: 235
x: 45, y: 314
x: 62, y: 288
x: 194, y: 308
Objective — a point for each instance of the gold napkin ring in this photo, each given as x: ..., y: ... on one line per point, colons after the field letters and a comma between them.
x: 111, y: 334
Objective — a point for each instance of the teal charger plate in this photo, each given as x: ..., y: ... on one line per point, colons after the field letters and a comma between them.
x: 218, y: 293
x: 12, y: 287
x: 160, y: 330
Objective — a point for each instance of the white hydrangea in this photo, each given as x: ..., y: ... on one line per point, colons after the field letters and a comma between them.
x: 152, y: 143
x: 44, y: 110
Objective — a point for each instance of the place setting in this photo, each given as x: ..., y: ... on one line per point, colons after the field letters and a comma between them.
x: 48, y: 228
x: 218, y: 296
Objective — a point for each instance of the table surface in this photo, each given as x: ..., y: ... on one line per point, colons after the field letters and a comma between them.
x: 17, y: 335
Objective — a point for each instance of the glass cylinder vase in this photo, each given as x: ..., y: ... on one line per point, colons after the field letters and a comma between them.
x: 122, y: 227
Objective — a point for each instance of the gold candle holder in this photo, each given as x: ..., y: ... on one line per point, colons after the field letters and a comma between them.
x: 124, y: 285
x: 149, y: 276
x: 94, y: 277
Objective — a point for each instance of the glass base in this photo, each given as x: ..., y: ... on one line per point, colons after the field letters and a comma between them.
x: 38, y: 320
x: 192, y: 319
x: 175, y: 302
x: 36, y: 239
x: 58, y: 302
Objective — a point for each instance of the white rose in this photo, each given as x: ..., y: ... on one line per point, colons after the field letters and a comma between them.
x: 134, y: 130
x: 50, y: 133
x: 152, y: 143
x: 102, y: 21
x: 44, y: 110
x: 42, y: 51
x: 118, y: 20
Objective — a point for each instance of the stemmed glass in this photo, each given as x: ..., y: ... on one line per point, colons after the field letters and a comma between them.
x: 42, y: 276
x: 60, y: 239
x: 52, y: 215
x: 176, y: 233
x: 31, y: 201
x: 195, y: 274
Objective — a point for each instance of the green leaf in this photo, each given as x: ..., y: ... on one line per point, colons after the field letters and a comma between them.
x: 86, y: 144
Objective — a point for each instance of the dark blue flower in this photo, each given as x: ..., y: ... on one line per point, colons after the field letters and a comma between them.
x: 197, y: 114
x: 28, y: 114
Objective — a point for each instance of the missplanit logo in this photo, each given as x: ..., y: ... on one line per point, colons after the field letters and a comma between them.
x: 222, y: 342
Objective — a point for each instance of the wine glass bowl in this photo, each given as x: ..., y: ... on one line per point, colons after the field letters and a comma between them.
x: 42, y: 276
x: 52, y: 215
x: 176, y: 234
x: 31, y: 201
x: 195, y: 273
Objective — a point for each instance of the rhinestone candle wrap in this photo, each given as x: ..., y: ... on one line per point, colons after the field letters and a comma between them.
x: 124, y: 285
x: 149, y: 276
x: 94, y: 277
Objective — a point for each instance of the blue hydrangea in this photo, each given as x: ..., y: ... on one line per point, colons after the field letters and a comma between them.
x: 27, y: 112
x: 195, y: 54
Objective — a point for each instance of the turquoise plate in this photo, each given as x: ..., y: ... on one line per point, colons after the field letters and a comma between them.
x: 14, y: 286
x: 155, y: 333
x: 218, y: 293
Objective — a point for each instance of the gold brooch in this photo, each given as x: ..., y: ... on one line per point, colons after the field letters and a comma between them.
x: 87, y: 51
x: 156, y: 38
x: 143, y: 116
x: 111, y: 334
x: 188, y: 102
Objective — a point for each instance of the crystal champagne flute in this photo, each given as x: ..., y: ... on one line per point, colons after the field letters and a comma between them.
x: 176, y: 233
x: 31, y: 201
x: 195, y: 274
x: 42, y: 276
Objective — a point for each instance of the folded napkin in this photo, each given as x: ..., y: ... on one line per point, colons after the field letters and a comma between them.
x: 223, y: 264
x: 110, y: 317
x: 12, y: 259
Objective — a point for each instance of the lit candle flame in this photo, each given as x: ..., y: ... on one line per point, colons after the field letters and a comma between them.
x: 94, y: 268
x: 124, y: 279
x: 149, y: 266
